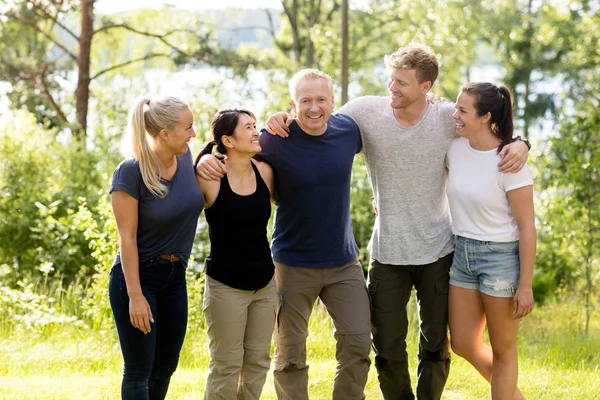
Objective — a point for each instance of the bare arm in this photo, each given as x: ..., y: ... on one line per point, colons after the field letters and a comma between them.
x: 266, y: 172
x: 514, y: 157
x: 125, y: 209
x: 210, y: 190
x: 521, y: 203
x: 278, y: 124
x: 210, y: 168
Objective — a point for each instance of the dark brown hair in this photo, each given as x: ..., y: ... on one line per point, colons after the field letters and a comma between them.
x: 223, y: 124
x: 498, y: 101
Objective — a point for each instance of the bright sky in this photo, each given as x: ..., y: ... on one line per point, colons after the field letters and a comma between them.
x: 111, y: 6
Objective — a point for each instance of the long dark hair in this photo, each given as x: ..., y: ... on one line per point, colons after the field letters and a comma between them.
x: 498, y: 101
x: 223, y: 124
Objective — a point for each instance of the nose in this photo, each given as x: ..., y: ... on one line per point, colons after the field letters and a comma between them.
x: 193, y: 133
x: 455, y: 114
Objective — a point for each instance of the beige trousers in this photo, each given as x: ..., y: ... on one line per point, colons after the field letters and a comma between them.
x: 240, y: 327
x: 343, y: 292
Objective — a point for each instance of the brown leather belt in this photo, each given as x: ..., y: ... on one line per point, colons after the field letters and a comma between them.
x: 169, y: 257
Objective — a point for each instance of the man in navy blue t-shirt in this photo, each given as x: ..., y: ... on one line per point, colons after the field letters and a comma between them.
x: 313, y: 245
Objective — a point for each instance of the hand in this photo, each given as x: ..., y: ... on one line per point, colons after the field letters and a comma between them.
x: 433, y: 98
x: 514, y: 156
x: 210, y: 168
x: 522, y: 302
x: 140, y: 313
x: 278, y: 124
x: 373, y: 204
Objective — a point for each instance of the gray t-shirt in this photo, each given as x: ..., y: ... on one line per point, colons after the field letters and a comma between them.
x: 407, y: 172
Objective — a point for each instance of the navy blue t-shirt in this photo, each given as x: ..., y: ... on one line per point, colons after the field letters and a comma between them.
x: 312, y: 182
x: 167, y: 225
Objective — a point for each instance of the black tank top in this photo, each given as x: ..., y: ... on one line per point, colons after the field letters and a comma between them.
x: 240, y: 256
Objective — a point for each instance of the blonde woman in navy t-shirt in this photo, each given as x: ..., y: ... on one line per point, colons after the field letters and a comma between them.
x: 156, y: 205
x: 240, y: 296
x: 493, y: 222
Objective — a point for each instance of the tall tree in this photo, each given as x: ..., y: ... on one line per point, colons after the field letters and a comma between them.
x: 44, y: 43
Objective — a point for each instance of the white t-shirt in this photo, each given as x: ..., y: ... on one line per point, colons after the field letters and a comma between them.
x: 477, y: 193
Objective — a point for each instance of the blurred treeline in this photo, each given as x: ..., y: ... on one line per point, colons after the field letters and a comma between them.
x: 69, y: 74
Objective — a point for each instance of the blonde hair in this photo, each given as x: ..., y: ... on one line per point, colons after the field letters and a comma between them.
x: 415, y: 56
x: 146, y: 119
x: 308, y: 73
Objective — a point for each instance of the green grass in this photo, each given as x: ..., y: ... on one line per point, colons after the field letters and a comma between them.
x: 64, y: 361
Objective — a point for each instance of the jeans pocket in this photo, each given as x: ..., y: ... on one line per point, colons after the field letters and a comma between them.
x: 503, y: 247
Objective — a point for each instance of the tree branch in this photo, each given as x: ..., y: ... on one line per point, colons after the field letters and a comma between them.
x: 272, y: 31
x: 48, y: 36
x: 123, y: 64
x: 54, y: 19
x: 145, y: 33
x: 44, y: 86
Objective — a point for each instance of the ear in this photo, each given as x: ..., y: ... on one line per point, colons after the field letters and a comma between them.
x: 426, y: 86
x: 164, y: 135
x: 294, y: 110
x: 333, y: 101
x: 486, y: 118
x: 228, y: 141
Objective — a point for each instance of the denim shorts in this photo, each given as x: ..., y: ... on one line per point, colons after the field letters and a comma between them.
x: 493, y: 268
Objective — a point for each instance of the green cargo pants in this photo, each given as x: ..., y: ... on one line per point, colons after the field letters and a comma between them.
x: 390, y: 288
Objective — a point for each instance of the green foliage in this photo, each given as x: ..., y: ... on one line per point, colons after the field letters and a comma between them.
x: 42, y: 182
x: 361, y: 209
x: 571, y: 203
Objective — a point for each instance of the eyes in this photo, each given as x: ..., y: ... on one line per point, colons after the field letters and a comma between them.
x: 392, y: 81
x: 320, y: 100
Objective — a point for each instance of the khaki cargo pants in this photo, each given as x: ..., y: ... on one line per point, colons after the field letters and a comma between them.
x: 240, y: 327
x: 343, y: 292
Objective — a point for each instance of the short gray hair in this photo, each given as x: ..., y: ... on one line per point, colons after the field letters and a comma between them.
x: 308, y: 73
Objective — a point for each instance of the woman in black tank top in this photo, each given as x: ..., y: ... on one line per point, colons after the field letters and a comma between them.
x: 240, y: 296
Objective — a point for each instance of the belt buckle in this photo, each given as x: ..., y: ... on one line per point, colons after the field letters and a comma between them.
x: 172, y: 258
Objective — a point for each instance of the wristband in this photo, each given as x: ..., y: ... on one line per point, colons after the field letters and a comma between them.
x: 524, y: 141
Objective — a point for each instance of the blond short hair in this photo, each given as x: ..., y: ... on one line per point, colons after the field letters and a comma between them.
x: 415, y: 56
x: 308, y: 73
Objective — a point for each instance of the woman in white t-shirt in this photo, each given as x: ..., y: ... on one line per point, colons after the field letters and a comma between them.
x: 493, y: 221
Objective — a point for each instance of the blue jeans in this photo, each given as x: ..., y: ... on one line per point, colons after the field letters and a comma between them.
x: 150, y: 359
x: 493, y: 268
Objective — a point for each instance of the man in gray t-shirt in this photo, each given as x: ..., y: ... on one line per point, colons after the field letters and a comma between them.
x: 405, y: 140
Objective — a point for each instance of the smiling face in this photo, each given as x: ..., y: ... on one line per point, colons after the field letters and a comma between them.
x: 468, y: 122
x: 245, y: 136
x: 313, y: 104
x: 405, y: 89
x: 178, y: 137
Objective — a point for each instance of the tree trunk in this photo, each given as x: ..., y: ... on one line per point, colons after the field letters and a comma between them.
x: 345, y: 46
x: 82, y: 93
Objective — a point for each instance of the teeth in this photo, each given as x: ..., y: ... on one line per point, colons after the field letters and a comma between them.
x: 314, y: 117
